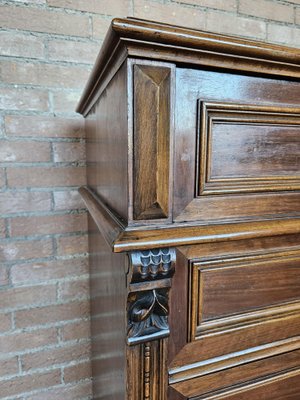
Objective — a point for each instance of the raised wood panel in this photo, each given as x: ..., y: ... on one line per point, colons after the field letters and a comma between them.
x: 232, y: 181
x: 152, y: 140
x: 246, y: 148
x: 230, y: 292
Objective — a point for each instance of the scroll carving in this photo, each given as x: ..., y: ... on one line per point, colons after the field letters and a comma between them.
x: 147, y: 307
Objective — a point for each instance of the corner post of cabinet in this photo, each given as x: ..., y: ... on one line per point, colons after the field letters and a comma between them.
x: 149, y: 282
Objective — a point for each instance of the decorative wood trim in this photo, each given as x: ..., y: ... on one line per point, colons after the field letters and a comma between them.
x: 252, y: 385
x: 224, y: 113
x: 147, y: 376
x: 222, y: 324
x: 140, y: 38
x: 182, y: 234
x: 152, y: 137
x: 124, y: 239
x: 147, y: 307
x: 205, y: 367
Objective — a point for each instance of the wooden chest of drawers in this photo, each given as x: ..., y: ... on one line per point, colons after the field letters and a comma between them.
x: 193, y: 149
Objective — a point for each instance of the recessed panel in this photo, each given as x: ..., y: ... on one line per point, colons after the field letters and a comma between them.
x: 245, y: 148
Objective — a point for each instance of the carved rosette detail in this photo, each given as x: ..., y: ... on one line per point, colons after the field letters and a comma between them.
x: 148, y: 307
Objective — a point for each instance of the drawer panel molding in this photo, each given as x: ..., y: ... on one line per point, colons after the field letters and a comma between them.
x: 247, y: 148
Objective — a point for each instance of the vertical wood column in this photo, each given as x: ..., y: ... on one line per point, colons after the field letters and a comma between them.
x: 149, y: 282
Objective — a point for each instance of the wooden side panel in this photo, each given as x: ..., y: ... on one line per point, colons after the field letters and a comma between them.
x: 108, y: 318
x: 107, y: 145
x: 152, y: 140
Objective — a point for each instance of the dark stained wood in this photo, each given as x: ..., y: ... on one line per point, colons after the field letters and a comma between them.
x: 224, y: 172
x: 193, y: 180
x: 107, y: 145
x: 282, y: 387
x: 108, y: 310
x: 239, y: 374
x: 152, y: 140
x: 159, y: 41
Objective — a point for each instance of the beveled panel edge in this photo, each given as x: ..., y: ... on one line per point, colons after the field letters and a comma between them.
x: 122, y: 238
x: 227, y: 361
x: 162, y: 182
x: 226, y: 323
x: 172, y: 43
x: 208, y: 113
x: 252, y: 385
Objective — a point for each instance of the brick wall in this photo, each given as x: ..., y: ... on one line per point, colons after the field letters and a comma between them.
x: 47, y: 49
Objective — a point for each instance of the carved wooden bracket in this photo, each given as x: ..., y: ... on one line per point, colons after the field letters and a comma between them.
x: 149, y: 283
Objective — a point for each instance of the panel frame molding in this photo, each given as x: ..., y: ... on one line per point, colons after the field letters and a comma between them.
x: 210, y: 113
x: 220, y: 325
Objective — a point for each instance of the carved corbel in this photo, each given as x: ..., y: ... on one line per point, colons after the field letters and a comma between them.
x: 149, y: 281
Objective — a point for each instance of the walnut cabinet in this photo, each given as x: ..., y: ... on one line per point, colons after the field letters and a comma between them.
x: 193, y: 150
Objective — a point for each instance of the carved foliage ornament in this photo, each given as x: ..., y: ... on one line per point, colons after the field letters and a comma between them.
x: 148, y: 307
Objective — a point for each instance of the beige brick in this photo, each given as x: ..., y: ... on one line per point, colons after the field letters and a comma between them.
x: 77, y: 330
x: 78, y: 391
x: 5, y: 322
x: 24, y: 151
x: 41, y: 74
x: 25, y: 249
x: 74, y: 51
x: 9, y: 366
x: 35, y: 2
x: 234, y: 25
x: 15, y: 298
x: 2, y: 228
x: 29, y: 383
x: 46, y: 176
x: 2, y: 178
x: 21, y: 45
x: 23, y: 99
x: 267, y: 9
x: 100, y: 27
x: 50, y: 314
x: 284, y: 34
x: 227, y: 5
x: 4, y: 279
x: 68, y: 200
x: 69, y: 152
x: 47, y: 225
x: 41, y: 20
x: 71, y: 290
x: 72, y: 245
x: 39, y: 271
x: 65, y: 101
x: 60, y: 355
x: 16, y: 202
x: 120, y: 8
x: 77, y: 372
x: 17, y: 342
x: 298, y: 15
x: 40, y: 126
x: 170, y: 13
